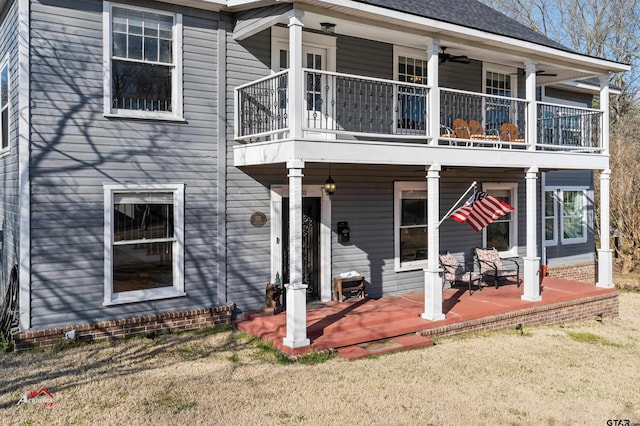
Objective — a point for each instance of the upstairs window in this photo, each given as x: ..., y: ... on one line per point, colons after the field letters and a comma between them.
x: 412, y: 100
x: 144, y: 63
x: 4, y: 105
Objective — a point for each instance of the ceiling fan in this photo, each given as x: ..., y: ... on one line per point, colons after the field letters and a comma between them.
x: 539, y: 73
x: 446, y: 57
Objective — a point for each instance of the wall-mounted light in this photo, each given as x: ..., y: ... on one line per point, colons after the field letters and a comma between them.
x: 328, y: 27
x: 329, y: 186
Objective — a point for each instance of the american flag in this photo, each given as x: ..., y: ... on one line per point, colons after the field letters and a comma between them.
x: 480, y: 210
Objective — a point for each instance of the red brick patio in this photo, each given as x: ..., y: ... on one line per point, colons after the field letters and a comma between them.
x: 360, y: 327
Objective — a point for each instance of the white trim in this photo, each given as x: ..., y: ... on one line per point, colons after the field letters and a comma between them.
x: 398, y: 187
x: 512, y: 187
x: 24, y: 129
x: 553, y: 241
x: 559, y: 191
x: 280, y: 40
x: 282, y: 191
x: 177, y: 289
x: 3, y: 65
x: 177, y: 109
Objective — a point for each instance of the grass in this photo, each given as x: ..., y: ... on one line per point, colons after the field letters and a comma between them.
x: 229, y: 377
x: 591, y: 338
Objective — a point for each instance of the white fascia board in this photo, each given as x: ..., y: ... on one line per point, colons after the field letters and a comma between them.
x: 212, y: 5
x: 591, y: 88
x: 486, y: 37
x: 358, y: 152
x: 258, y: 25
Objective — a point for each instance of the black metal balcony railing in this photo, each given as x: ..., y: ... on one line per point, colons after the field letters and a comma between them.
x: 568, y: 128
x: 360, y: 107
x: 262, y: 107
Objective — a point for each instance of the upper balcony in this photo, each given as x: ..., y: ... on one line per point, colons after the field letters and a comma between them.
x: 413, y: 91
x: 338, y: 106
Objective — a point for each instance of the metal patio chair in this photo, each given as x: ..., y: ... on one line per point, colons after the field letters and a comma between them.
x: 455, y: 273
x: 492, y: 265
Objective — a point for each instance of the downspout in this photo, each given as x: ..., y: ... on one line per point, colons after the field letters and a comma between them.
x: 24, y: 182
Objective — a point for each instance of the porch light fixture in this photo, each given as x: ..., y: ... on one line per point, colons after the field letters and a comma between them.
x: 327, y: 27
x: 329, y: 186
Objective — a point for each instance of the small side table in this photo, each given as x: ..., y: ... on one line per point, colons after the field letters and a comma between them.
x: 356, y: 283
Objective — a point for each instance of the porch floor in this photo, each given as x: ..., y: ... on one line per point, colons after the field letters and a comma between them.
x: 360, y: 327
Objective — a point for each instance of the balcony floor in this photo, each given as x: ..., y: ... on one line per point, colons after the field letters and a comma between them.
x: 362, y: 327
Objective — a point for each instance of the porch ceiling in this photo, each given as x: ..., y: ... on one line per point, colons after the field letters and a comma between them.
x: 359, y: 152
x: 359, y: 20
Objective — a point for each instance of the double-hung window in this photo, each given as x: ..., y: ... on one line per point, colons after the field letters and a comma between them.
x: 503, y: 232
x: 566, y: 215
x: 410, y: 225
x: 143, y: 62
x: 144, y: 244
x: 550, y: 218
x: 4, y: 106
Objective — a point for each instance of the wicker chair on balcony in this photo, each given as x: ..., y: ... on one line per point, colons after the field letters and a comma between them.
x: 509, y: 133
x: 456, y: 273
x: 492, y: 266
x: 480, y: 134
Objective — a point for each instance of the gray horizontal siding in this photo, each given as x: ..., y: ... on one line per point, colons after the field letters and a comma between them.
x: 9, y: 201
x: 76, y: 150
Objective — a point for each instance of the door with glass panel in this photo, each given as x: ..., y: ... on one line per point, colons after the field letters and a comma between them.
x: 317, y: 86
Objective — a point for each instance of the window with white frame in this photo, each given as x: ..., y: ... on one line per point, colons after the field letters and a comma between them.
x: 143, y: 59
x: 498, y: 82
x: 570, y: 214
x: 550, y: 218
x: 144, y: 244
x: 503, y: 232
x: 411, y: 67
x: 4, y: 105
x: 410, y: 223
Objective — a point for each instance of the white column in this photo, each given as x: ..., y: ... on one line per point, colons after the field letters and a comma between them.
x: 296, y: 290
x: 604, y: 107
x: 530, y: 96
x: 433, y: 272
x: 531, y: 260
x: 605, y: 253
x: 296, y: 83
x: 433, y: 113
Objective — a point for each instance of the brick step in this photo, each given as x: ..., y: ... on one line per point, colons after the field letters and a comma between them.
x: 380, y: 347
x: 364, y: 334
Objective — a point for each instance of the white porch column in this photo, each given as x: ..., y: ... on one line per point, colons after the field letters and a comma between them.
x: 531, y: 260
x: 605, y: 253
x: 530, y: 96
x: 433, y: 112
x: 432, y: 273
x: 296, y: 83
x: 296, y: 290
x: 604, y: 107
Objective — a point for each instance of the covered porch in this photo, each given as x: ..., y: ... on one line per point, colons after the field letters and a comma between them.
x: 363, y: 327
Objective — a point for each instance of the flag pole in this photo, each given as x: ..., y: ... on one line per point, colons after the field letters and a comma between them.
x: 473, y: 185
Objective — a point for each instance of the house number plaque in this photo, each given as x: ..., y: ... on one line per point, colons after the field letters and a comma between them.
x: 258, y: 219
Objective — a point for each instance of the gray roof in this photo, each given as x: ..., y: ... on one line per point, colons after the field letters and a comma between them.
x: 468, y: 13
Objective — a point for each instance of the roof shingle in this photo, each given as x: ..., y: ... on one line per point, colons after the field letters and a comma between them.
x: 468, y: 13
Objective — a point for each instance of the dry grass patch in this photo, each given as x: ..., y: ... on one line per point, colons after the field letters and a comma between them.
x: 578, y: 373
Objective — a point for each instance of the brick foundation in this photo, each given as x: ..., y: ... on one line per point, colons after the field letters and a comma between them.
x: 555, y: 313
x: 581, y: 272
x: 142, y: 325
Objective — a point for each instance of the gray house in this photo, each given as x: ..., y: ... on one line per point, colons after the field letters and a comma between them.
x: 160, y: 158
